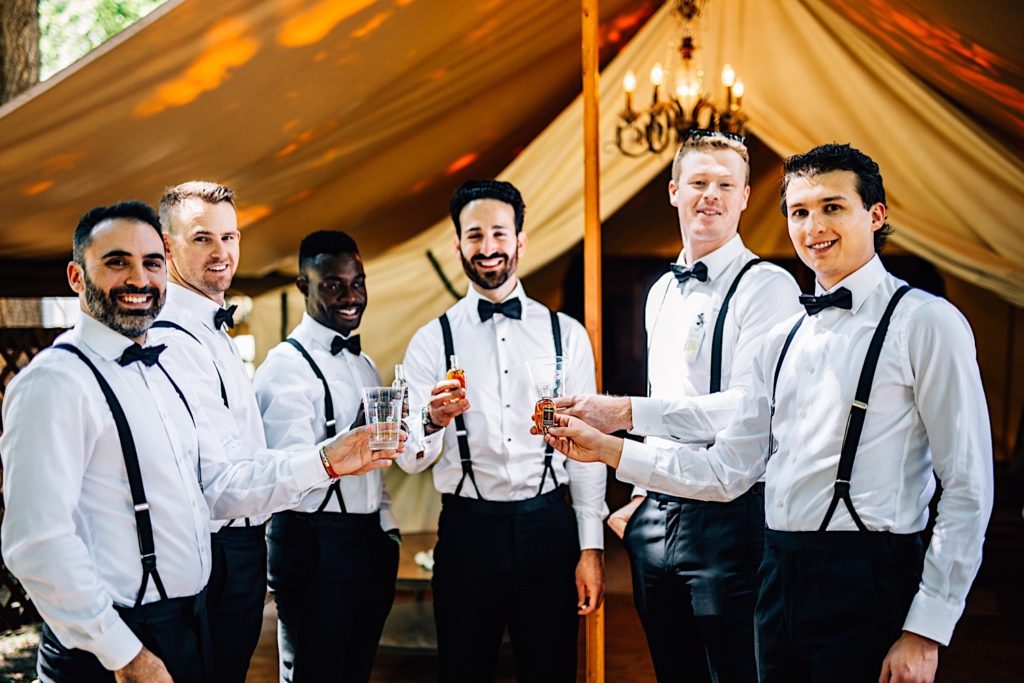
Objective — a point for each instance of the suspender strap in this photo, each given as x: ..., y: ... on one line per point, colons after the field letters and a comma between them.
x: 775, y: 380
x: 329, y: 421
x: 143, y: 522
x: 460, y: 422
x: 556, y: 333
x: 176, y: 326
x: 716, y: 340
x: 858, y: 411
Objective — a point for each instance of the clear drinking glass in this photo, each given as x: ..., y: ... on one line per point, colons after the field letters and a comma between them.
x: 383, y: 407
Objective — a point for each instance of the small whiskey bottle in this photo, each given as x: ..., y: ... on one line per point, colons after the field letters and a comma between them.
x: 455, y: 371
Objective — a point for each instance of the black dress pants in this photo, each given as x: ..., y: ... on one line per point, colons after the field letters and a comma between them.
x: 175, y: 630
x: 513, y: 565
x: 236, y: 594
x: 831, y: 604
x: 333, y: 577
x: 694, y: 566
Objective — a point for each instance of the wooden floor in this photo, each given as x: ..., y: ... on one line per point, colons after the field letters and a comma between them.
x: 988, y: 645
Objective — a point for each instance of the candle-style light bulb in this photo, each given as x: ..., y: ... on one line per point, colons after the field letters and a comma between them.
x: 728, y: 76
x: 629, y: 82
x: 657, y: 75
x: 738, y: 90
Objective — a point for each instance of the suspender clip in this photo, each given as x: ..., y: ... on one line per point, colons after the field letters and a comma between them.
x: 142, y: 507
x: 460, y: 432
x: 149, y: 561
x: 331, y: 423
x: 842, y: 487
x: 860, y: 404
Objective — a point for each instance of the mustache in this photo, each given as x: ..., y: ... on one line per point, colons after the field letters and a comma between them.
x: 132, y: 289
x: 485, y: 257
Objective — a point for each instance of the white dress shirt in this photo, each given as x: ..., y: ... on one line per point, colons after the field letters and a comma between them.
x: 69, y: 529
x: 680, y: 321
x: 240, y: 427
x: 508, y: 461
x: 291, y: 399
x: 926, y: 411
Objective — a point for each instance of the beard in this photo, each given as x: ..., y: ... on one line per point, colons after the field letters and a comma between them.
x: 131, y: 323
x: 489, y: 279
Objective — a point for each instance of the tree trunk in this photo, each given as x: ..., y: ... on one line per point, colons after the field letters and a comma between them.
x: 19, y: 47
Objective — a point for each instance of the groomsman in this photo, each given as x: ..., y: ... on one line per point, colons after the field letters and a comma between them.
x: 334, y: 557
x: 695, y: 562
x: 113, y: 470
x: 856, y: 407
x: 510, y: 552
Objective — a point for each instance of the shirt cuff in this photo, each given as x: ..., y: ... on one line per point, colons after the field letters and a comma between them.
x: 308, y: 470
x: 932, y: 618
x: 591, y: 533
x: 647, y: 416
x: 635, y: 465
x: 116, y: 647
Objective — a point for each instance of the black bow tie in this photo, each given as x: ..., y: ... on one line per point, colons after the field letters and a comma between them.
x: 149, y: 355
x: 351, y: 344
x: 841, y: 298
x: 224, y: 316
x: 682, y: 273
x: 513, y: 308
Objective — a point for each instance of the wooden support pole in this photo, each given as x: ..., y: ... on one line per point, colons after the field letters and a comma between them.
x: 592, y: 266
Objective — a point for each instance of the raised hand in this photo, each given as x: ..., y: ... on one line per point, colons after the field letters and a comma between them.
x: 447, y: 400
x: 604, y: 413
x: 350, y: 453
x: 579, y: 441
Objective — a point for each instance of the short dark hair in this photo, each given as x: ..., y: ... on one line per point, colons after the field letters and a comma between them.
x: 329, y: 242
x: 471, y: 190
x: 836, y: 157
x: 128, y: 210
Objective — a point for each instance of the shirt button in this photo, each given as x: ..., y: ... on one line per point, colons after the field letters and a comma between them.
x: 508, y: 405
x: 505, y: 371
x: 803, y: 413
x: 810, y: 371
x: 781, y: 505
x: 509, y: 439
x: 502, y: 339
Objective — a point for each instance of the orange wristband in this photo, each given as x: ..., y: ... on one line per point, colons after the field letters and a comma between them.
x: 327, y: 463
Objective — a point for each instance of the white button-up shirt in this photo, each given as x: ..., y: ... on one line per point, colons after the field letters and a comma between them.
x: 291, y: 399
x: 69, y: 529
x: 239, y: 426
x: 508, y: 461
x: 927, y: 411
x: 680, y: 321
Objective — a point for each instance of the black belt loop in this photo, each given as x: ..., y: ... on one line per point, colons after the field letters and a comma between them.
x: 143, y: 521
x: 858, y: 411
x: 330, y: 424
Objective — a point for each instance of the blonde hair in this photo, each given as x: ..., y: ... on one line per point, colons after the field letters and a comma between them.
x: 211, y: 193
x: 707, y: 142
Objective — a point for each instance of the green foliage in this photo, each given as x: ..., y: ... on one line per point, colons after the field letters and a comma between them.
x: 70, y: 29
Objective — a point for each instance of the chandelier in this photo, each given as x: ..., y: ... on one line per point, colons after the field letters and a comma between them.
x: 687, y: 107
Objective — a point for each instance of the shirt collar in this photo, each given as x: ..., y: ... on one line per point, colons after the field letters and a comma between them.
x: 473, y: 296
x: 199, y: 306
x: 108, y: 344
x: 719, y: 259
x: 861, y: 282
x: 318, y: 332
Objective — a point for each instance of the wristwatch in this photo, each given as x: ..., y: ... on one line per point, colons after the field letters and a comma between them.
x: 429, y: 425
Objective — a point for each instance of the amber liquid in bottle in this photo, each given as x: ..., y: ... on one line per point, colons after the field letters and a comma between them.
x: 544, y: 414
x: 456, y: 371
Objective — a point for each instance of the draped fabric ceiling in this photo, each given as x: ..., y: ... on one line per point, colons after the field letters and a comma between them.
x: 365, y: 114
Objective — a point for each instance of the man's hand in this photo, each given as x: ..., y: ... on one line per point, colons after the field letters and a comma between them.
x: 577, y: 440
x: 590, y: 580
x: 604, y: 413
x: 911, y: 659
x: 447, y: 399
x: 146, y: 667
x: 620, y: 518
x: 350, y: 453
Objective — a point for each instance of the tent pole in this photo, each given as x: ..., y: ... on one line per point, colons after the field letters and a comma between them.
x: 592, y: 267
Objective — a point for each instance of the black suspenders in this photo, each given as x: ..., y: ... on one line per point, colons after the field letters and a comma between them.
x: 858, y: 410
x: 143, y: 522
x: 460, y: 423
x: 175, y: 326
x: 716, y: 340
x: 329, y: 421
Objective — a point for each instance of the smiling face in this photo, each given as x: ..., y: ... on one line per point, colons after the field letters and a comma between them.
x: 202, y: 246
x: 831, y: 230
x: 489, y: 247
x: 335, y: 289
x: 122, y: 277
x: 709, y: 194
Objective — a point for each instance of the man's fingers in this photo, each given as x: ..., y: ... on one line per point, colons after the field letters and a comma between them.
x: 446, y: 386
x: 886, y: 674
x: 565, y: 402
